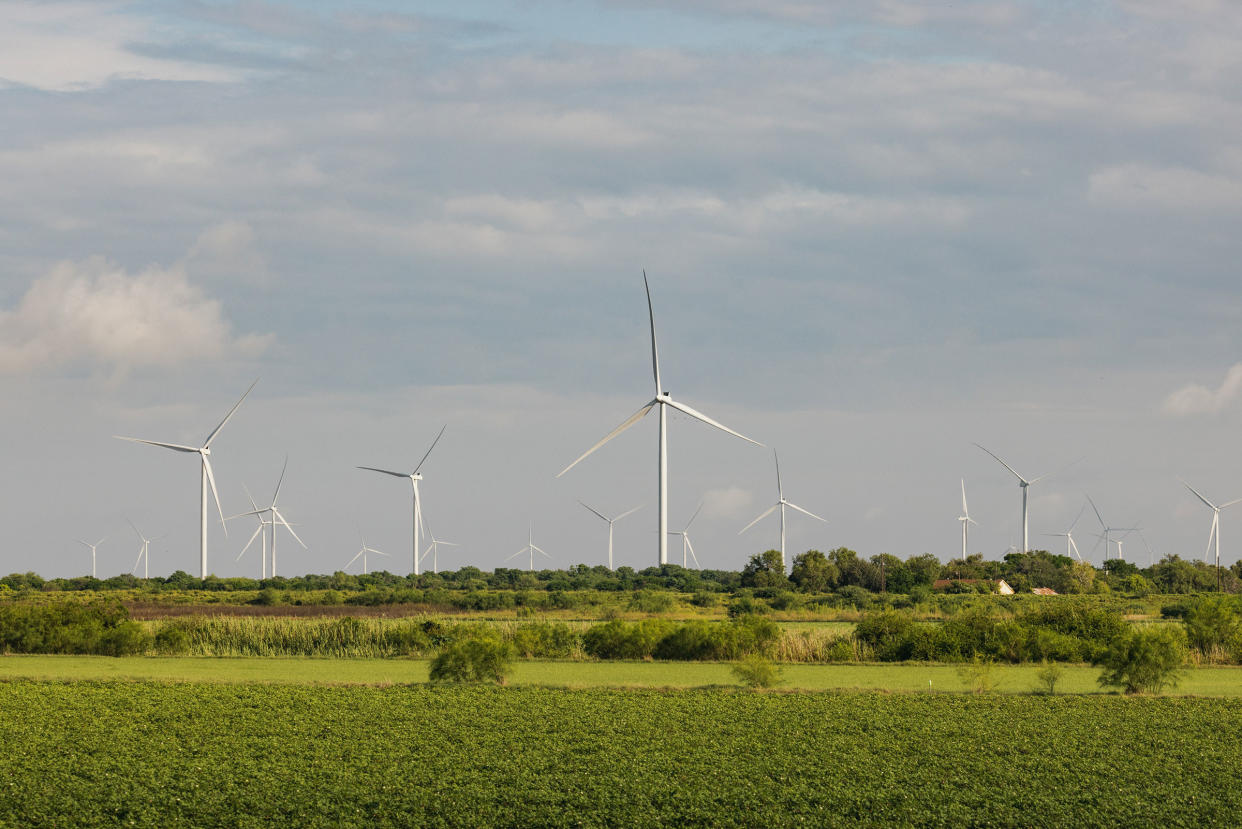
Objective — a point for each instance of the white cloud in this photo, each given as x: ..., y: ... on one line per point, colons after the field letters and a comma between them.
x: 93, y: 313
x: 1139, y: 186
x: 1198, y: 399
x: 726, y: 503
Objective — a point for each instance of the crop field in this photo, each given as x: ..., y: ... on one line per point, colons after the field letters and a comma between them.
x: 162, y: 755
x: 1222, y: 681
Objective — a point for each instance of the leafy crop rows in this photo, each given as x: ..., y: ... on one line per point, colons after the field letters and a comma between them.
x: 147, y: 754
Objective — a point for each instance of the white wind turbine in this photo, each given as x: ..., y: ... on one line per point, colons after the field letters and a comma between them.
x: 1108, y: 531
x: 686, y: 546
x: 207, y: 478
x: 144, y: 552
x: 413, y: 477
x: 1215, y: 532
x: 966, y: 520
x: 1071, y: 548
x: 434, y: 549
x: 274, y: 518
x: 781, y: 504
x: 664, y: 402
x: 530, y: 545
x: 92, y: 548
x: 260, y: 533
x: 610, y: 521
x: 1025, y: 484
x: 362, y: 553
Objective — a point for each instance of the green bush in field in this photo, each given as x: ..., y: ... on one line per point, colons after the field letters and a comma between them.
x: 1211, y: 624
x: 544, y: 640
x: 172, y: 638
x: 477, y: 659
x: 1049, y: 675
x: 1143, y: 661
x: 757, y: 672
x: 651, y: 601
x: 620, y: 640
x: 63, y: 627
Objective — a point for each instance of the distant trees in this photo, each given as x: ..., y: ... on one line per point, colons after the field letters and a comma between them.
x: 766, y: 569
x: 814, y: 573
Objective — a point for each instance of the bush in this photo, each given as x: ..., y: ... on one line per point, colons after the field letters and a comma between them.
x: 544, y: 640
x: 757, y: 672
x: 888, y: 633
x: 747, y: 606
x: 1142, y: 661
x: 651, y: 601
x: 977, y: 676
x: 1049, y: 675
x: 172, y: 638
x: 1210, y: 625
x: 620, y: 640
x: 102, y: 629
x: 477, y: 659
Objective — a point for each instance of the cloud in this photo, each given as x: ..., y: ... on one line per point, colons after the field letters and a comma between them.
x: 227, y: 251
x: 726, y: 503
x: 1197, y: 399
x: 1139, y: 186
x: 93, y: 313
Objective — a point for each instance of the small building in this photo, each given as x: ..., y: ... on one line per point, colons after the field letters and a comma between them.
x: 1044, y: 591
x: 999, y: 586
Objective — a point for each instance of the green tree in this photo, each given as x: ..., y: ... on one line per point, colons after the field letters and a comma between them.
x: 814, y: 573
x: 1210, y: 624
x: 756, y: 671
x: 1142, y: 661
x: 765, y: 569
x: 477, y: 659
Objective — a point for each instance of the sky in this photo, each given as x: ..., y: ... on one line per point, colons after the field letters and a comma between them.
x: 875, y: 234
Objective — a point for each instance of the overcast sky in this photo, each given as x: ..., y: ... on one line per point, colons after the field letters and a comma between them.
x: 875, y: 233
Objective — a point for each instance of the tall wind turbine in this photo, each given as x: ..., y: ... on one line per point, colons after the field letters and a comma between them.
x: 363, y: 554
x: 1108, y: 531
x: 686, y: 546
x: 664, y: 402
x: 414, y: 477
x: 434, y: 549
x: 92, y: 547
x: 966, y: 520
x: 1071, y: 548
x: 530, y: 545
x: 144, y: 552
x: 275, y: 517
x: 260, y: 532
x: 611, y: 521
x: 1215, y: 533
x: 781, y: 503
x: 1025, y: 484
x: 207, y: 478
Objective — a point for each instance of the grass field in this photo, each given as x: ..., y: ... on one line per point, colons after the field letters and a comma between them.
x: 1078, y: 679
x: 167, y: 755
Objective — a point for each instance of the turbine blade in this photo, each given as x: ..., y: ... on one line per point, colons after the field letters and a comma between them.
x: 281, y: 481
x: 137, y: 561
x: 386, y: 471
x: 175, y: 446
x: 250, y: 498
x: 690, y: 547
x: 378, y: 552
x: 357, y: 556
x: 448, y: 543
x: 282, y: 520
x: 1099, y: 517
x: 780, y: 492
x: 627, y: 512
x: 515, y: 555
x: 765, y: 514
x: 1002, y: 463
x: 1212, y: 534
x: 655, y: 353
x: 211, y: 479
x: 433, y: 446
x: 540, y: 551
x: 1057, y: 471
x: 131, y: 523
x: 805, y: 512
x: 964, y: 510
x: 594, y: 510
x: 696, y: 515
x: 1200, y: 497
x: 216, y: 431
x: 248, y: 543
x: 1231, y: 503
x: 1080, y: 512
x: 630, y: 421
x: 700, y: 416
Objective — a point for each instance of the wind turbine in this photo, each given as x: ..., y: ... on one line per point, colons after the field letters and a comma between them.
x: 92, y: 547
x: 664, y: 402
x: 1108, y: 530
x: 530, y: 545
x: 965, y: 519
x: 414, y: 477
x: 260, y: 533
x: 781, y: 503
x: 1215, y: 533
x: 611, y: 521
x: 1025, y: 484
x: 144, y: 552
x: 363, y: 554
x: 1070, y: 546
x: 275, y: 517
x: 434, y: 549
x: 207, y: 478
x: 686, y: 546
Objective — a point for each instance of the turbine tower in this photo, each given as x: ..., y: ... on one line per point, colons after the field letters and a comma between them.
x: 434, y: 549
x: 664, y: 402
x: 611, y: 521
x: 413, y: 477
x: 1025, y: 484
x: 1070, y: 546
x: 686, y: 546
x: 1215, y: 533
x: 363, y: 554
x: 144, y: 552
x: 1108, y: 531
x: 274, y: 518
x: 530, y: 545
x: 260, y: 533
x: 966, y: 520
x: 206, y: 478
x: 781, y: 503
x: 92, y: 548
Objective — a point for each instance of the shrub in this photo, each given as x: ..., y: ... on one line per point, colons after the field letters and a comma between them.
x: 545, y: 640
x: 757, y: 672
x: 888, y: 633
x: 64, y: 627
x: 746, y: 606
x: 1049, y: 675
x: 704, y: 599
x: 620, y: 640
x: 1210, y: 625
x: 651, y: 601
x: 977, y: 676
x: 1142, y: 661
x: 172, y: 638
x: 476, y: 659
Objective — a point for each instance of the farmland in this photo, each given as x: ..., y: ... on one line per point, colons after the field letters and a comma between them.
x: 152, y: 754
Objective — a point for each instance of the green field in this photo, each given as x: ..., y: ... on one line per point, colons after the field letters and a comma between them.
x: 1078, y: 679
x: 164, y: 755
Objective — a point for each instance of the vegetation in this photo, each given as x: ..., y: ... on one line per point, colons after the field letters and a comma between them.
x: 153, y: 755
x: 1143, y: 661
x: 95, y: 628
x: 757, y: 672
x: 1049, y: 675
x: 476, y: 659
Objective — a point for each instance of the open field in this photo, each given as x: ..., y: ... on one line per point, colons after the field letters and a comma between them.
x: 1014, y: 679
x: 153, y: 754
